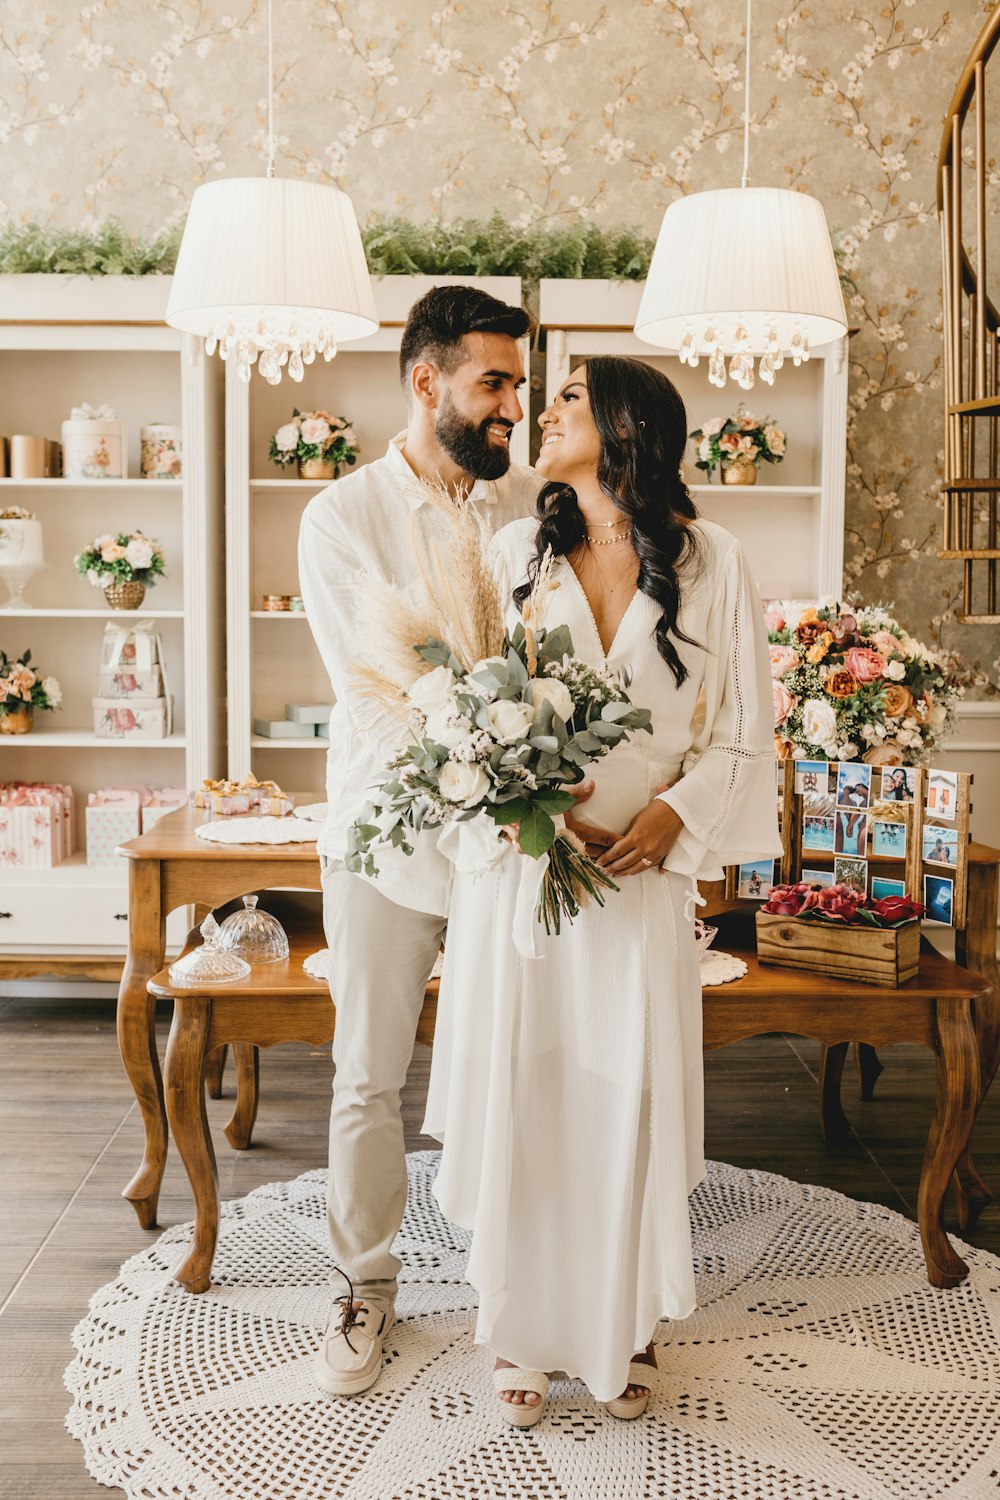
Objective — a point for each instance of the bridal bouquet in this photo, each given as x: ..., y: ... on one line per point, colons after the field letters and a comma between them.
x: 856, y: 685
x: 497, y: 725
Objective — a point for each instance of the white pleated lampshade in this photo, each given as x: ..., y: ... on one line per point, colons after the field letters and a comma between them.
x: 272, y: 265
x: 743, y: 271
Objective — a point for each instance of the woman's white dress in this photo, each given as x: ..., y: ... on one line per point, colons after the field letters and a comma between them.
x: 567, y: 1088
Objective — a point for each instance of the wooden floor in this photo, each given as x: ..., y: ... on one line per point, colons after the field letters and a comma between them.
x: 71, y: 1139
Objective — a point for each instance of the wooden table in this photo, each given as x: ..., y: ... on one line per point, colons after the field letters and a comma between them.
x: 170, y: 867
x: 279, y: 1003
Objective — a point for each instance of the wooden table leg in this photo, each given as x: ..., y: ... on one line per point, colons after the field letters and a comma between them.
x: 954, y: 1117
x: 215, y: 1067
x: 833, y: 1123
x: 189, y: 1123
x: 869, y: 1067
x: 975, y: 948
x: 137, y: 1032
x: 240, y: 1128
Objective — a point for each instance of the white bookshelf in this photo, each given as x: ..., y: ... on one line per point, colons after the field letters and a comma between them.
x: 791, y: 522
x: 63, y: 341
x: 269, y: 663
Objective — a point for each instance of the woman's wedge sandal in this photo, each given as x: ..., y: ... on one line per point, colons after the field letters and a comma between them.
x: 638, y: 1375
x: 513, y: 1379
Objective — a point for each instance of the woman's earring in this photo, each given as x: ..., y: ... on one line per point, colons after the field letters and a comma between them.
x: 641, y: 426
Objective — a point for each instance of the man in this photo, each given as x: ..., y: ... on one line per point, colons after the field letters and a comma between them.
x: 461, y: 368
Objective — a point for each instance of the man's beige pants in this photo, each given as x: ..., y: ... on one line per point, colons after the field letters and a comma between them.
x: 381, y: 958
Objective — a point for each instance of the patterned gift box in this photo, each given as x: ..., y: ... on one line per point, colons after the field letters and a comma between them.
x: 135, y: 718
x: 61, y: 797
x: 163, y: 800
x: 108, y: 825
x: 131, y: 646
x: 132, y: 682
x: 31, y: 829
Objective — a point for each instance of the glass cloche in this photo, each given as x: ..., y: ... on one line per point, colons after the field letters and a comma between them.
x: 209, y: 963
x: 254, y: 935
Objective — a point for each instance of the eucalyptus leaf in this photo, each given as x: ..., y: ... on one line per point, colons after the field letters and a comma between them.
x: 537, y: 833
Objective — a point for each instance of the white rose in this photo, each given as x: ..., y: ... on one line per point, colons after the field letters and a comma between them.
x: 847, y: 751
x: 489, y: 664
x: 286, y: 439
x: 467, y: 783
x: 444, y: 733
x: 54, y: 691
x: 509, y: 720
x: 819, y: 723
x: 94, y: 577
x: 895, y: 671
x: 139, y: 552
x: 705, y: 450
x: 551, y: 690
x: 432, y: 690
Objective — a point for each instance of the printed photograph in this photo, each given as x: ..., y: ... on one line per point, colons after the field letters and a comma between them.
x: 854, y: 785
x: 940, y: 846
x: 882, y: 887
x: 852, y: 872
x: 818, y: 805
x: 756, y: 880
x: 817, y: 833
x: 851, y: 832
x: 818, y: 877
x: 942, y: 794
x: 889, y: 838
x: 897, y: 784
x: 939, y: 898
x: 812, y: 776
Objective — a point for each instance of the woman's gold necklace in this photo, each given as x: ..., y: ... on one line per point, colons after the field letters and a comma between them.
x: 594, y: 541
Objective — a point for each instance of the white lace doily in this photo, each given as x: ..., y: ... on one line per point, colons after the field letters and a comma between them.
x: 314, y: 811
x: 317, y: 965
x: 256, y: 831
x: 720, y: 968
x: 820, y: 1365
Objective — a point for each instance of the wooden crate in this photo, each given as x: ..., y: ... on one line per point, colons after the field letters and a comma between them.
x: 885, y: 956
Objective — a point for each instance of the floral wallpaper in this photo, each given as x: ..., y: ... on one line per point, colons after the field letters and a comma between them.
x: 549, y: 109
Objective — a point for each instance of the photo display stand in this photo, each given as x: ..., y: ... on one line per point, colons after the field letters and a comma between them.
x: 893, y: 830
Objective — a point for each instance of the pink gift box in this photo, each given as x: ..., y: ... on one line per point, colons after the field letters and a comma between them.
x: 134, y: 718
x: 34, y: 829
x: 163, y: 800
x: 109, y: 825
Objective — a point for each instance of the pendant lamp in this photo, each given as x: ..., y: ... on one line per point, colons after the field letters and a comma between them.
x: 272, y: 270
x: 740, y: 273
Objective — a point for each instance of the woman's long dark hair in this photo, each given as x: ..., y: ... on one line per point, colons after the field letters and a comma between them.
x: 642, y: 424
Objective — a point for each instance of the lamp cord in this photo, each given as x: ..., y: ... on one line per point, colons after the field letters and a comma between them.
x: 745, y: 180
x: 270, y: 96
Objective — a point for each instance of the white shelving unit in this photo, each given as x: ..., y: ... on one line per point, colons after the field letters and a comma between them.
x: 63, y: 341
x: 271, y: 663
x: 792, y: 528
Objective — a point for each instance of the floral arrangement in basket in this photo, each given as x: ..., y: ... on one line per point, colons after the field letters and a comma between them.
x: 121, y: 557
x: 497, y: 725
x: 17, y: 513
x: 740, y: 442
x: 316, y: 437
x: 855, y: 684
x: 840, y: 904
x: 22, y: 690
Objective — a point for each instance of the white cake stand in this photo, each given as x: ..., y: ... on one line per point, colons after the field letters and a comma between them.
x: 15, y: 575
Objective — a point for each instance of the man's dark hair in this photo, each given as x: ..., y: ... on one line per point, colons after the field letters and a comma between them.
x: 440, y: 319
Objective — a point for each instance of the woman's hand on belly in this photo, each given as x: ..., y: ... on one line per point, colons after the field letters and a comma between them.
x: 596, y: 840
x: 646, y: 843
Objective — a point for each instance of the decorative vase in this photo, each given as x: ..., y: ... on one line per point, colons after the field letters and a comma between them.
x: 16, y: 720
x: 740, y: 471
x: 125, y: 595
x: 317, y: 468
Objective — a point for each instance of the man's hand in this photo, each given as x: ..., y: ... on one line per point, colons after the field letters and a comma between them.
x: 596, y: 840
x: 649, y: 838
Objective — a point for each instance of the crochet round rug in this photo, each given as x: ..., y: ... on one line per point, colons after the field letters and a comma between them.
x: 820, y: 1366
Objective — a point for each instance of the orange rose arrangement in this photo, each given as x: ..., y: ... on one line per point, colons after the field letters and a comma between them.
x: 851, y: 683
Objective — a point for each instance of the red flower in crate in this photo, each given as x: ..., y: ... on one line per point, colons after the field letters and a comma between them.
x: 840, y: 903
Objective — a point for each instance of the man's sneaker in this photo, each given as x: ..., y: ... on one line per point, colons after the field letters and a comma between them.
x: 349, y: 1359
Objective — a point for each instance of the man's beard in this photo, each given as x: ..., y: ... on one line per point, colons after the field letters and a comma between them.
x: 469, y: 445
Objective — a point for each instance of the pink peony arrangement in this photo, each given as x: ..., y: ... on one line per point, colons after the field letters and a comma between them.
x: 852, y: 684
x: 725, y: 440
x: 840, y: 903
x: 314, y: 434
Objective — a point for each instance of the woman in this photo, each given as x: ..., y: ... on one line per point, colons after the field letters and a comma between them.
x: 567, y: 1088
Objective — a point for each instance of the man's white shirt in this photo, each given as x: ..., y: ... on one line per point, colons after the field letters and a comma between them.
x: 362, y: 524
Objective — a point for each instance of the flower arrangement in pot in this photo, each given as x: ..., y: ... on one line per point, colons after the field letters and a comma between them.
x: 737, y: 445
x: 124, y: 564
x: 841, y: 931
x: 317, y: 441
x: 22, y: 690
x: 850, y: 683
